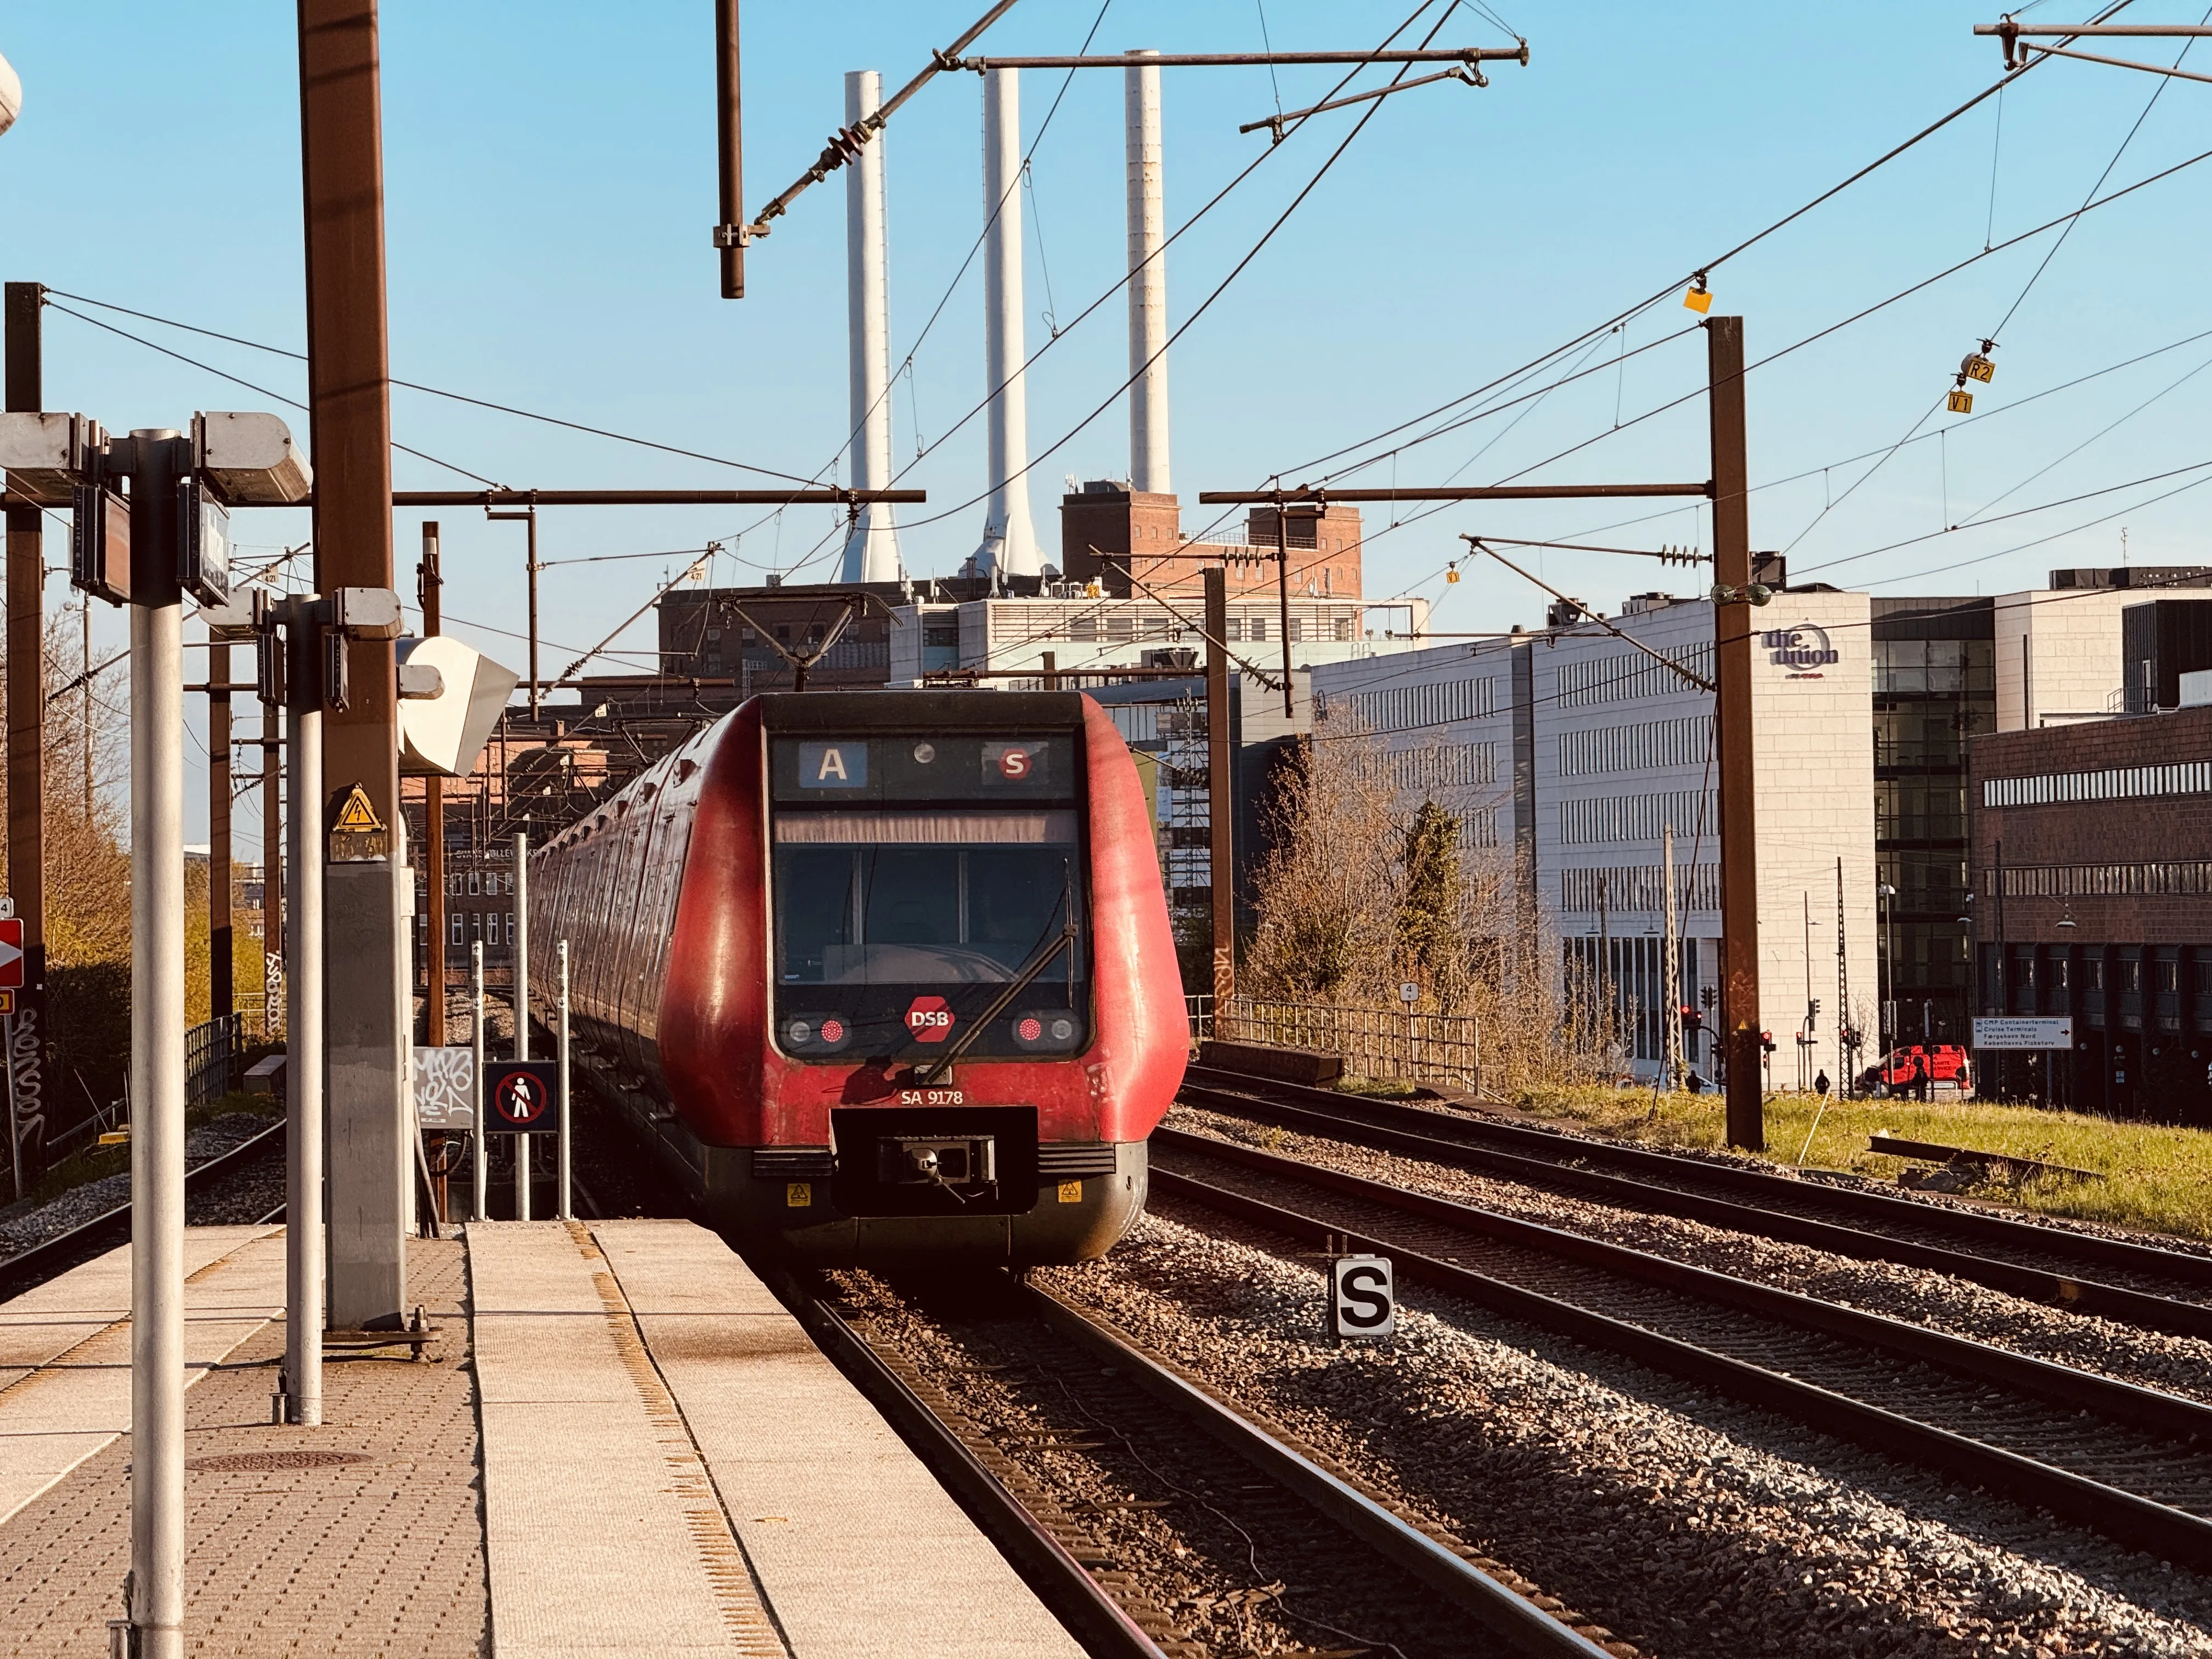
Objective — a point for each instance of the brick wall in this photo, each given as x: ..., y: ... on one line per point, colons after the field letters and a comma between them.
x: 2156, y: 830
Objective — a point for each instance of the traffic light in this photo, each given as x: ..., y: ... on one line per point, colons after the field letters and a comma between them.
x: 1692, y: 1021
x: 1766, y: 1042
x: 1709, y: 996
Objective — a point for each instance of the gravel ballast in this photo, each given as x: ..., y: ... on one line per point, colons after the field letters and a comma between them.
x: 2176, y: 1365
x: 1685, y: 1523
x: 93, y: 1199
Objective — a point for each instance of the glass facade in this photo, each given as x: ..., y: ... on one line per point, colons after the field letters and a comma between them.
x: 1935, y: 687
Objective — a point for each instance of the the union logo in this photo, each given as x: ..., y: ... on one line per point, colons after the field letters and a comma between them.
x: 1802, y: 649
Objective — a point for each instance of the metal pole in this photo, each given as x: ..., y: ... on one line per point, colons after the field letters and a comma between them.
x: 1739, y: 835
x: 430, y: 581
x: 305, y: 1051
x: 531, y: 531
x: 731, y: 148
x: 272, y: 858
x: 521, y: 1009
x: 26, y: 681
x: 14, y: 1119
x: 1283, y: 597
x: 480, y: 1151
x: 1148, y: 281
x: 157, y: 1053
x: 84, y: 667
x: 1843, y: 992
x: 1009, y: 545
x: 222, y: 996
x: 521, y: 945
x: 565, y: 1211
x: 872, y: 546
x: 1671, y: 970
x: 1220, y: 814
x: 370, y: 1001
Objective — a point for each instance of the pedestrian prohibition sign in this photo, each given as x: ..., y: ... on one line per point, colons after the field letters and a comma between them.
x: 521, y: 1097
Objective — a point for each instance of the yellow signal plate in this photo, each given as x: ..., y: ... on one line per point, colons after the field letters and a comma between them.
x: 1698, y: 299
x: 1070, y: 1192
x: 798, y: 1195
x: 357, y: 813
x: 1961, y: 402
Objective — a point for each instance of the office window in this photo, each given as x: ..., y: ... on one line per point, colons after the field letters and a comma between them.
x: 475, y: 926
x: 473, y: 880
x: 510, y: 927
x: 457, y: 929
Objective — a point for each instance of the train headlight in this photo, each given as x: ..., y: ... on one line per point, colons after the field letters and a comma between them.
x: 1048, y: 1030
x: 817, y: 1034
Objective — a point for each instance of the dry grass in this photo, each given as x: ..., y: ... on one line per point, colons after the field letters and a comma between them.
x: 2155, y: 1177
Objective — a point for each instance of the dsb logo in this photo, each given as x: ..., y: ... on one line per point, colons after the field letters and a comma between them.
x: 930, y: 1019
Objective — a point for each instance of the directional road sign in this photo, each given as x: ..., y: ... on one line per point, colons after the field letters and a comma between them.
x: 11, y: 954
x: 521, y: 1096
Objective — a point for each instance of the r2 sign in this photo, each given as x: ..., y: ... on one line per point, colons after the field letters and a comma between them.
x: 1362, y: 1300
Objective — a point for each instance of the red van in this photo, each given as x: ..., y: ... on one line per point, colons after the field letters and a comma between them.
x: 1942, y: 1063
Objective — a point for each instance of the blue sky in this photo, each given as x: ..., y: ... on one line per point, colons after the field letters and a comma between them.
x: 550, y: 175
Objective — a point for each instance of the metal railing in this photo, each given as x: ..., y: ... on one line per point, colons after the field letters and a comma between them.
x: 1374, y: 1042
x: 211, y: 1051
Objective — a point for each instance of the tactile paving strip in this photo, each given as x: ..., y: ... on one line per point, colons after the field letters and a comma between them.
x: 383, y: 1555
x: 736, y: 1591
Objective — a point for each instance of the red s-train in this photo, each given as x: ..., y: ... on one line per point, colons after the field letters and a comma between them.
x: 881, y: 972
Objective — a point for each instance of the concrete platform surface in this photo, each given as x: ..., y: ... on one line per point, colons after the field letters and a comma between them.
x: 359, y: 1537
x: 619, y: 1445
x: 671, y: 1467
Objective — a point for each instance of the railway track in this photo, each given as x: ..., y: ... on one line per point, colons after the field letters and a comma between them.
x: 1179, y: 1483
x: 57, y: 1255
x: 2129, y: 1462
x: 2116, y: 1278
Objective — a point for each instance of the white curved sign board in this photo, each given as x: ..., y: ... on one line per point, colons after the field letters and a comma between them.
x: 443, y: 735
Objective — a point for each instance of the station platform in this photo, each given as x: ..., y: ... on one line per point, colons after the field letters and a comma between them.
x: 619, y: 1443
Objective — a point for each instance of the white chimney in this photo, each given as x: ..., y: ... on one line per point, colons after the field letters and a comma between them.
x: 1148, y: 286
x: 1009, y: 543
x: 872, y: 548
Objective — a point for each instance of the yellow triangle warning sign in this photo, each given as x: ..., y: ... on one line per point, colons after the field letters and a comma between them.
x: 357, y: 814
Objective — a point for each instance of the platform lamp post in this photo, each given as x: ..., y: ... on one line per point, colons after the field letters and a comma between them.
x: 167, y: 537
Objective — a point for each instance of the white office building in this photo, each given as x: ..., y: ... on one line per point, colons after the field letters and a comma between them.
x: 1569, y: 755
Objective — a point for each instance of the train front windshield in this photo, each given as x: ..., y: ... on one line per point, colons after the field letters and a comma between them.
x: 921, y: 884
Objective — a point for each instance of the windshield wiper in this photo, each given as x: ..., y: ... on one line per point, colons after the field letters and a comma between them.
x: 1036, y: 965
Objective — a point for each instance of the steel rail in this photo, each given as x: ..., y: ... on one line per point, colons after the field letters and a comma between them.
x: 1506, y: 1615
x: 1432, y: 1137
x: 1550, y: 1144
x: 1092, y: 1616
x: 55, y: 1255
x: 2130, y: 1517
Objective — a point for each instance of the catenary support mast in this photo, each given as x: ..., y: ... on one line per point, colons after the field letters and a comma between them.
x: 371, y: 1168
x: 1732, y: 632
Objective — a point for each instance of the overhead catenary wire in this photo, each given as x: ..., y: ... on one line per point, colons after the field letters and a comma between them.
x: 410, y: 385
x: 1205, y: 304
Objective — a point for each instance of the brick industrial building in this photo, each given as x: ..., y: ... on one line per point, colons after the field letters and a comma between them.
x: 2093, y: 898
